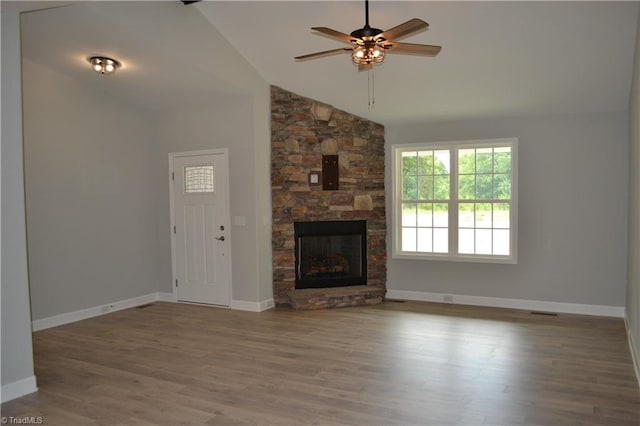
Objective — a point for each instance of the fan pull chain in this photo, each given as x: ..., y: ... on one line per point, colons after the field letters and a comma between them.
x: 371, y: 89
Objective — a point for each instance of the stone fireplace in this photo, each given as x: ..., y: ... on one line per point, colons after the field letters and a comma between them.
x: 313, y: 267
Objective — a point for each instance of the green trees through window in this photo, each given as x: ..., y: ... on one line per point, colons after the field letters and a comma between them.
x: 426, y: 181
x: 484, y: 173
x: 425, y: 175
x: 484, y: 192
x: 456, y: 199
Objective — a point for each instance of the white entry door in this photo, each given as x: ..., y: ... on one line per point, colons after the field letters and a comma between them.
x: 201, y: 233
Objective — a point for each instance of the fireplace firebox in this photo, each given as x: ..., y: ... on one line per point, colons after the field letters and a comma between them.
x: 330, y: 253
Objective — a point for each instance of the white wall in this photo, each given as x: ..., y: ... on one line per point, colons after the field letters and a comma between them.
x: 572, y: 212
x: 225, y: 124
x: 17, y: 353
x: 97, y: 192
x: 262, y: 153
x: 91, y: 216
x: 633, y: 260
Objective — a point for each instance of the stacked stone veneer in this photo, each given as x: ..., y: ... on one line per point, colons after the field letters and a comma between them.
x: 302, y: 130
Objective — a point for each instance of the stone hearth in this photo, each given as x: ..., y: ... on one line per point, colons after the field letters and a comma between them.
x: 320, y: 298
x: 302, y: 131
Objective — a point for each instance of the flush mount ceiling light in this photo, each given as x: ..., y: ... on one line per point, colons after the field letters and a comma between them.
x: 103, y: 65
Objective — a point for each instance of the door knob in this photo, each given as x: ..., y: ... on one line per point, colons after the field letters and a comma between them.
x: 220, y: 238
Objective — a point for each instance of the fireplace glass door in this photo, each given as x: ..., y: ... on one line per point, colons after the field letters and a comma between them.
x: 331, y: 256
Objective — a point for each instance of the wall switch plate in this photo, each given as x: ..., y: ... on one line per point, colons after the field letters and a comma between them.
x: 314, y: 178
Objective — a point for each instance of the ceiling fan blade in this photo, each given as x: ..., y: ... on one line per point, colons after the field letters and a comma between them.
x: 334, y: 34
x: 413, y: 49
x: 323, y: 53
x: 403, y: 30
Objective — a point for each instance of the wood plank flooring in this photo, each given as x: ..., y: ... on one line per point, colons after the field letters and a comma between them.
x: 388, y: 364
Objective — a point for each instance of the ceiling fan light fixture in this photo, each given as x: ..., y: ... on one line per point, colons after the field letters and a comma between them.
x: 103, y: 65
x: 366, y: 55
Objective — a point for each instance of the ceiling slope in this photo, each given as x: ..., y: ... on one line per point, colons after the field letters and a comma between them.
x: 498, y: 58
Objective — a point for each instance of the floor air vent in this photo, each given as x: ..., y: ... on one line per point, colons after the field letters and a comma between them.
x: 548, y: 314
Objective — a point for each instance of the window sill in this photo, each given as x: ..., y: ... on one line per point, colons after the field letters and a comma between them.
x: 506, y: 260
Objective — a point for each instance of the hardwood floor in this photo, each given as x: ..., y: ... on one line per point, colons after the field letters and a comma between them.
x: 389, y: 364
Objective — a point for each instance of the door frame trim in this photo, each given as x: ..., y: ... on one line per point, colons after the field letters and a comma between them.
x: 172, y: 222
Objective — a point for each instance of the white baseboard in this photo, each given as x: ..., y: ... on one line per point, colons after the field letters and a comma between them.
x: 498, y: 302
x: 17, y: 389
x: 632, y: 347
x: 95, y: 311
x: 242, y: 305
x: 267, y: 304
x: 166, y: 297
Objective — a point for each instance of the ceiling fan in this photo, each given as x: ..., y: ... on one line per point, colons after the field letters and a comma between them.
x: 369, y: 45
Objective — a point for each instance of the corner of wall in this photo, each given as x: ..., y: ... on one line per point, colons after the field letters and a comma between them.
x: 17, y: 347
x: 632, y: 315
x: 635, y: 356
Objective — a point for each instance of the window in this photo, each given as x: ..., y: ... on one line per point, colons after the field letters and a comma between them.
x: 198, y: 179
x: 456, y: 201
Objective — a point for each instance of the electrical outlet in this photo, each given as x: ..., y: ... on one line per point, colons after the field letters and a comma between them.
x: 447, y: 298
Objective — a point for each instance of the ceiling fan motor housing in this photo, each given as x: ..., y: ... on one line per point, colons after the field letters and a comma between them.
x: 366, y: 31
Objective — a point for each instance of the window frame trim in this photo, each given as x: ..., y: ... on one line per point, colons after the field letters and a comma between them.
x: 453, y: 146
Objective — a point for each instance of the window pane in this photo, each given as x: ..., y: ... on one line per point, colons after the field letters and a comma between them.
x: 466, y: 217
x: 442, y: 163
x: 483, y: 187
x: 501, y: 186
x: 484, y: 160
x: 425, y: 163
x: 425, y: 240
x: 501, y: 213
x: 441, y: 187
x: 425, y: 187
x: 483, y: 215
x: 501, y: 242
x: 502, y: 160
x: 408, y: 215
x: 467, y: 187
x: 466, y: 161
x: 409, y: 163
x: 466, y: 241
x: 408, y: 239
x: 440, y: 240
x: 483, y: 241
x: 198, y: 179
x: 441, y: 215
x: 425, y: 216
x: 409, y: 188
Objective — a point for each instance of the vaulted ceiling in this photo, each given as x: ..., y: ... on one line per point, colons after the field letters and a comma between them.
x: 498, y: 58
